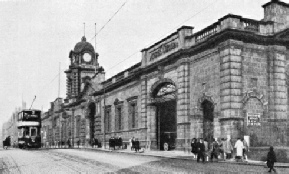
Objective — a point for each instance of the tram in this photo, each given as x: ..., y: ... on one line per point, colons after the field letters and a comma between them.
x: 29, y: 128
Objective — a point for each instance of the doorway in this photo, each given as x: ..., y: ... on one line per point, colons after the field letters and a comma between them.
x: 208, y: 120
x: 164, y: 98
x: 167, y: 125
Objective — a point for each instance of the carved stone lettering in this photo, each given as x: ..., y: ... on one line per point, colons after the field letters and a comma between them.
x: 163, y: 49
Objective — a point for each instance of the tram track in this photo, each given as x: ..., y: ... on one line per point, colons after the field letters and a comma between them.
x: 89, y: 163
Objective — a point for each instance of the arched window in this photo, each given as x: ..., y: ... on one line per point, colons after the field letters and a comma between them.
x: 164, y: 92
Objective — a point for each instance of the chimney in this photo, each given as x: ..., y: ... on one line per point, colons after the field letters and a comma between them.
x: 277, y: 11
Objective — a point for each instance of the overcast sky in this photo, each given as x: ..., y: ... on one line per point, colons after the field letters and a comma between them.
x: 36, y: 35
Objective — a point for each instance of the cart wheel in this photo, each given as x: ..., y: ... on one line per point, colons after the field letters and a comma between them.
x: 166, y: 146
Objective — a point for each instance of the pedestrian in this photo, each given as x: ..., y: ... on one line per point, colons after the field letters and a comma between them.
x: 221, y: 148
x: 68, y: 143
x: 245, y: 149
x: 194, y: 147
x: 136, y: 145
x: 228, y: 148
x: 214, y: 150
x: 206, y: 155
x: 92, y: 142
x: 78, y: 143
x: 271, y: 159
x: 239, y: 149
x: 120, y: 142
x: 132, y: 143
x: 200, y: 150
x: 109, y: 143
x: 96, y: 142
x: 113, y: 142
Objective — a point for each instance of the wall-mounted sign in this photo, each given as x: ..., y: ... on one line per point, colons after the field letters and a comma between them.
x: 253, y: 119
x: 162, y: 49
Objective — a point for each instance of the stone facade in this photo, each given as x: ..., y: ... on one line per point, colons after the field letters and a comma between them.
x: 227, y: 80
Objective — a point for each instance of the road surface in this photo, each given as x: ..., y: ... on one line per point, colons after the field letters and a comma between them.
x: 71, y: 161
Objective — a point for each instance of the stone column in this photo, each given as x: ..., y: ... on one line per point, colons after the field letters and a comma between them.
x: 183, y: 105
x: 231, y: 118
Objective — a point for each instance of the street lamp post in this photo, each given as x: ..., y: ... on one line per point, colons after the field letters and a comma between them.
x: 104, y: 113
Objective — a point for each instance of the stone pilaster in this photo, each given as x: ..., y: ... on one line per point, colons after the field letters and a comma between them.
x: 231, y: 117
x: 144, y: 110
x: 151, y: 127
x: 143, y: 102
x: 183, y: 104
x: 277, y: 91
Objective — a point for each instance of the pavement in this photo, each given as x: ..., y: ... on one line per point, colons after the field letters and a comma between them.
x: 174, y: 154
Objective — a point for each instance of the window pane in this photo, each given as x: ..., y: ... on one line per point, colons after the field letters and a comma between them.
x: 33, y: 132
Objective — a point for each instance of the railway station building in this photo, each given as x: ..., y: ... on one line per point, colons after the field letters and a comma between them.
x: 228, y: 80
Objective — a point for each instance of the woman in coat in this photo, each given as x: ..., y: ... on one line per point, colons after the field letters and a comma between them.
x: 228, y: 148
x: 194, y: 146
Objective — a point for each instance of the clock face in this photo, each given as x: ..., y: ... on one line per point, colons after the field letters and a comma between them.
x: 87, y: 57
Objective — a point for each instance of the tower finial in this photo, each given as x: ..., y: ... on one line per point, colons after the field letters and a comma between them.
x: 84, y: 29
x: 95, y: 61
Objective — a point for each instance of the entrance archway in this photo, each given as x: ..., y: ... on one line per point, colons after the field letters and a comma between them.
x: 164, y: 98
x: 208, y: 120
x: 91, y: 114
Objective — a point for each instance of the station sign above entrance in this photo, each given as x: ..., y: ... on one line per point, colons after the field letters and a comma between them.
x: 166, y: 47
x: 163, y: 49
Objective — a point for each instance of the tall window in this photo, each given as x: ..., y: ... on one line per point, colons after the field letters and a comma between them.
x: 118, y: 117
x: 77, y: 125
x: 107, y: 118
x: 132, y: 112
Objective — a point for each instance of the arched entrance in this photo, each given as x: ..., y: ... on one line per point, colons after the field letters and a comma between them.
x: 208, y: 120
x: 164, y: 98
x: 91, y: 115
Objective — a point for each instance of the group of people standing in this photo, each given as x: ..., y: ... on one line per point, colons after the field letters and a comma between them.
x: 134, y: 144
x: 94, y: 143
x: 115, y: 142
x: 218, y: 149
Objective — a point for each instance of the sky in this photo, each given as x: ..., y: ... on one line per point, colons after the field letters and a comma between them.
x: 36, y: 37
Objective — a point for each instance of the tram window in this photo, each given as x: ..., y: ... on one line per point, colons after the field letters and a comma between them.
x: 26, y: 132
x: 20, y: 133
x: 33, y: 132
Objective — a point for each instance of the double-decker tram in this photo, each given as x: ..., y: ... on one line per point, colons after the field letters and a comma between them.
x: 29, y: 127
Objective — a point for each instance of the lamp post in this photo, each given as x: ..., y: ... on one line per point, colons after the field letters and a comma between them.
x: 104, y: 114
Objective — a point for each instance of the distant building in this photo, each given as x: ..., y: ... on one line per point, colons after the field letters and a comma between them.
x: 9, y: 128
x: 227, y: 80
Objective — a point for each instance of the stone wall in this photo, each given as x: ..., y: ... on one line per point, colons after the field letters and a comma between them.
x: 123, y: 93
x: 204, y: 84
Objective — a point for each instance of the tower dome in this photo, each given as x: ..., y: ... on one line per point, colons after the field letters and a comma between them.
x: 83, y: 46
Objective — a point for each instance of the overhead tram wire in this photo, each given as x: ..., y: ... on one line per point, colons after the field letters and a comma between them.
x: 123, y: 60
x: 108, y: 20
x: 197, y: 13
x: 47, y: 84
x: 164, y: 35
x: 179, y: 25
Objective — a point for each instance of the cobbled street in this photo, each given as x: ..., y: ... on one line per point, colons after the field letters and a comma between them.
x: 87, y: 161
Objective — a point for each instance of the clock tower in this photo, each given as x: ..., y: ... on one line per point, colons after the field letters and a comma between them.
x: 83, y: 66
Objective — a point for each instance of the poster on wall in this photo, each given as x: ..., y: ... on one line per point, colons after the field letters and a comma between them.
x: 253, y: 119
